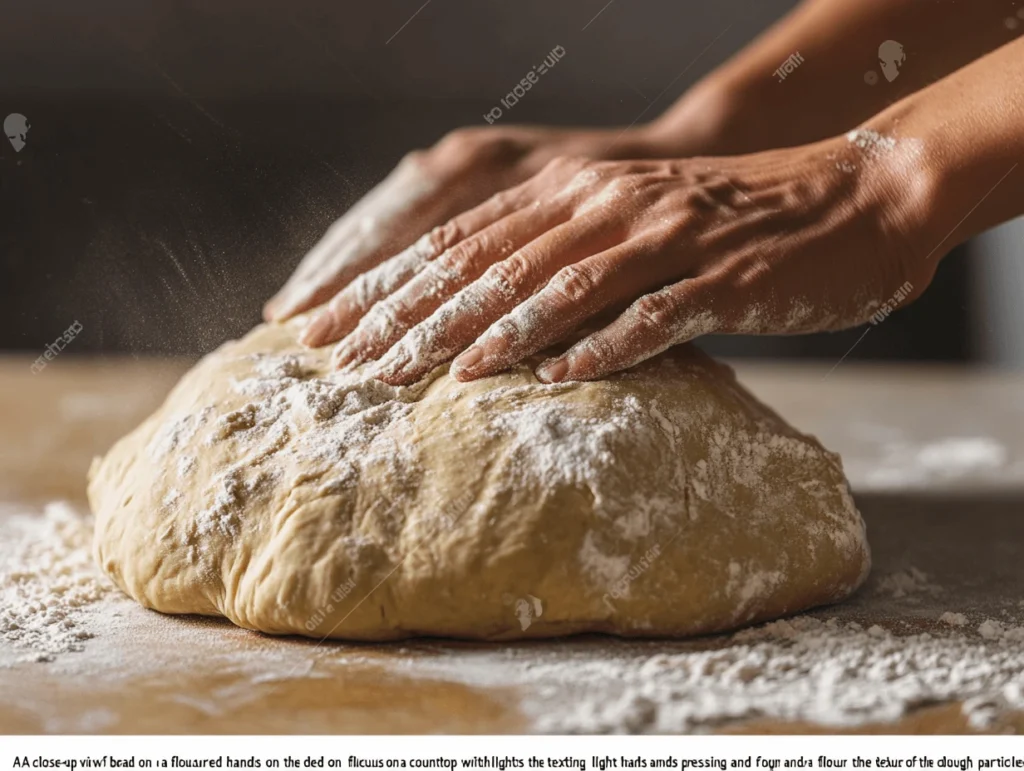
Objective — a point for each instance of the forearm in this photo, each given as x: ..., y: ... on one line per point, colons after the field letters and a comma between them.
x: 957, y: 162
x: 744, y: 107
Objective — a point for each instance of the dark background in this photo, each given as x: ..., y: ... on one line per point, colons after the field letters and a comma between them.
x: 183, y: 156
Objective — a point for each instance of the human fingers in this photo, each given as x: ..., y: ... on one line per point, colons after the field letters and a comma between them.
x: 358, y: 240
x: 345, y: 310
x: 503, y: 286
x: 388, y: 320
x: 575, y: 295
x: 655, y: 322
x: 340, y: 315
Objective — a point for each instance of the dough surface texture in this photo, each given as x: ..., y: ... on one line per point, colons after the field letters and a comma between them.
x: 291, y: 499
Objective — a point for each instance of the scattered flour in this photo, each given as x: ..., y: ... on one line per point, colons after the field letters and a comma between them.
x: 430, y: 343
x: 871, y: 142
x: 387, y: 277
x: 357, y: 234
x: 902, y: 464
x: 559, y: 446
x: 871, y: 146
x: 907, y: 583
x: 991, y: 629
x: 47, y: 581
x: 953, y: 619
x: 804, y: 668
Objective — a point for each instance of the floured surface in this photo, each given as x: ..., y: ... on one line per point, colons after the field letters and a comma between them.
x: 939, y: 623
x: 907, y: 429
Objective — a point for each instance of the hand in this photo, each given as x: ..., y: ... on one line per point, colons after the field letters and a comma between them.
x: 428, y: 188
x: 811, y: 238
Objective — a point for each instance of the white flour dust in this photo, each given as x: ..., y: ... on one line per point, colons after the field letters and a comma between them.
x: 902, y: 464
x: 911, y: 583
x: 342, y: 418
x: 430, y: 344
x: 870, y: 145
x: 47, y: 582
x: 358, y: 233
x: 807, y: 668
x: 871, y: 142
x: 800, y: 669
x: 387, y: 277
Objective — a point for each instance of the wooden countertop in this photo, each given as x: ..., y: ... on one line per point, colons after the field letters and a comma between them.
x: 890, y: 424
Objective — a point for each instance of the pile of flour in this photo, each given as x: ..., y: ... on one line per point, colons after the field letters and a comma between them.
x: 47, y: 581
x: 806, y: 668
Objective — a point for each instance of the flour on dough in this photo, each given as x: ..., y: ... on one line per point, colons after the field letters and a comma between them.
x: 292, y: 499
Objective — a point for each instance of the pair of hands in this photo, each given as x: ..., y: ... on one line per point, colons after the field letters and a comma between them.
x: 540, y: 245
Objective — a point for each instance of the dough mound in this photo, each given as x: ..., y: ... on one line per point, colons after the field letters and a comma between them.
x: 295, y: 500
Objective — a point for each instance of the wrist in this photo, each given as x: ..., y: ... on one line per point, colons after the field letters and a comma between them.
x: 900, y: 174
x: 704, y: 121
x: 963, y: 175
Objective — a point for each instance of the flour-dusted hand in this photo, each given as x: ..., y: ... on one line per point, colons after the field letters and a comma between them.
x: 811, y: 238
x: 426, y: 189
x: 821, y: 236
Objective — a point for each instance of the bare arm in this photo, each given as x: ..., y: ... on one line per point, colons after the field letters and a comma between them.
x: 739, y: 108
x: 820, y: 236
x: 969, y: 173
x: 743, y: 107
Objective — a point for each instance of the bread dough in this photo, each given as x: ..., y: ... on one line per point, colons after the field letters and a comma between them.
x: 294, y: 500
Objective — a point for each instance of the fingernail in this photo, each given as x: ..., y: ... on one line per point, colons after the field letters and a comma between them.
x: 316, y: 331
x: 469, y: 359
x: 553, y: 371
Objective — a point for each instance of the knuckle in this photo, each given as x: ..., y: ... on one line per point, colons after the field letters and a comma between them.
x: 506, y: 276
x: 596, y: 348
x: 704, y: 198
x: 745, y: 274
x: 573, y: 284
x: 458, y: 260
x: 607, y: 170
x: 656, y: 311
x: 505, y: 200
x: 632, y: 184
x: 445, y: 236
x: 599, y: 183
x: 577, y: 178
